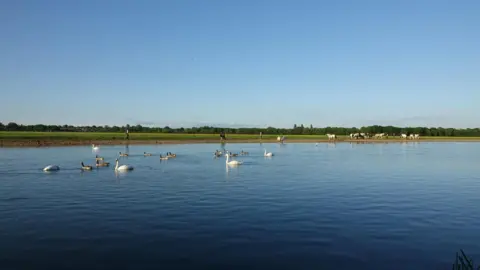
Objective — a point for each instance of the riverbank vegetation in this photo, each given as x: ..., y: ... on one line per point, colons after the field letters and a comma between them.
x: 464, y: 263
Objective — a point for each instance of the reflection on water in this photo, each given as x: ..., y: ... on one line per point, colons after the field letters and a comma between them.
x: 346, y: 205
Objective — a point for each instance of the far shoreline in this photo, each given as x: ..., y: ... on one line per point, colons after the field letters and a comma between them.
x: 62, y: 143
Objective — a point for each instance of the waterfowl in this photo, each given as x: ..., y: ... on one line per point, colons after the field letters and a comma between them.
x: 146, y: 154
x: 98, y: 158
x: 123, y: 154
x: 171, y: 155
x: 243, y: 153
x: 269, y: 154
x: 86, y: 167
x: 50, y: 168
x: 232, y: 162
x: 163, y: 158
x: 95, y: 147
x: 102, y: 164
x: 122, y: 167
x: 228, y: 153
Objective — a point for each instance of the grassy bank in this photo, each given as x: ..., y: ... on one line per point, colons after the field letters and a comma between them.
x: 100, y: 136
x: 94, y: 136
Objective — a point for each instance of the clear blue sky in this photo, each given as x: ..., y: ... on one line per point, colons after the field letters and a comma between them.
x: 249, y: 62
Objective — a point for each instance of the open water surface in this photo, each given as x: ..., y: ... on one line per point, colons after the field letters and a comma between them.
x: 343, y: 206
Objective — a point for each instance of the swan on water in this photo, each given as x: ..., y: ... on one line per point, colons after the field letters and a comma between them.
x: 269, y: 154
x: 95, y: 147
x: 122, y: 167
x: 232, y: 162
x: 50, y: 168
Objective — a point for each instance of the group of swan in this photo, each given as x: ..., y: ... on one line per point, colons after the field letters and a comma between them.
x: 126, y: 167
x: 98, y: 162
x: 219, y: 153
x: 236, y: 162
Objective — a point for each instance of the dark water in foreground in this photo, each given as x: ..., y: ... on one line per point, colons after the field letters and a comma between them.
x: 376, y: 206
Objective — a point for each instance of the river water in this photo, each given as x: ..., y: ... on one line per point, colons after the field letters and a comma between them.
x: 331, y: 206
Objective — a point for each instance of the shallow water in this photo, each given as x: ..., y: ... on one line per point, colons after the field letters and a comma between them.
x: 368, y: 206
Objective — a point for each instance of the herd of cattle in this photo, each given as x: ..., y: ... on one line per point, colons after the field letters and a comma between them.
x: 362, y: 135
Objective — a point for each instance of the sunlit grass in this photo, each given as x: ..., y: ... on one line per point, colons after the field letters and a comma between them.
x: 81, y: 136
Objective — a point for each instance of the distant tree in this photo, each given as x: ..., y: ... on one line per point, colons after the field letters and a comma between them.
x: 297, y: 129
x: 12, y: 126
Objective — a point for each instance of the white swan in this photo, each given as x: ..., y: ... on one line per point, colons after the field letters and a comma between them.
x: 123, y: 167
x: 232, y: 162
x: 269, y: 154
x: 95, y: 147
x: 50, y: 168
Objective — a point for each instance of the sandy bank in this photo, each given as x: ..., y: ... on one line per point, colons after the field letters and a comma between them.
x: 50, y: 143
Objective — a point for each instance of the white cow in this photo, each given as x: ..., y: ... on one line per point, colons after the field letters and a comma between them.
x: 331, y: 136
x: 403, y: 136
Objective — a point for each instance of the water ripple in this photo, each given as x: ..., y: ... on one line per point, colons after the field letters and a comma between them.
x: 384, y: 206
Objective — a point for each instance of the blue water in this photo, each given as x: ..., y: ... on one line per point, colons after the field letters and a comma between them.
x: 343, y: 206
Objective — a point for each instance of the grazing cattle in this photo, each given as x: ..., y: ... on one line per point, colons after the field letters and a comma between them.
x: 379, y: 135
x: 365, y: 135
x: 403, y: 136
x: 358, y: 135
x: 331, y: 136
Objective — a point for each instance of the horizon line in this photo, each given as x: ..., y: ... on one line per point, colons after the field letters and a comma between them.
x: 226, y: 126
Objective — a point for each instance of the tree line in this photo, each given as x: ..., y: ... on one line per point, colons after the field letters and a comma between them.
x: 295, y: 130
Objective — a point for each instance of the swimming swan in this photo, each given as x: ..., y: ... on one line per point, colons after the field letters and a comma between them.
x: 232, y: 162
x: 269, y: 154
x: 95, y: 147
x: 123, y: 167
x: 50, y: 168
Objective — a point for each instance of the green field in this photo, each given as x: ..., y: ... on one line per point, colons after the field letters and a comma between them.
x: 82, y: 136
